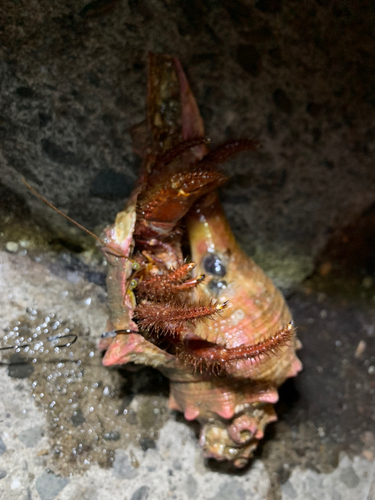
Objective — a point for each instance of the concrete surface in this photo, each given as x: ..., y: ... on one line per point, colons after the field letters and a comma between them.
x: 322, y: 447
x: 296, y: 75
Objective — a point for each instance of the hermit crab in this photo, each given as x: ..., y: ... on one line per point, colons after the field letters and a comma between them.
x: 183, y: 297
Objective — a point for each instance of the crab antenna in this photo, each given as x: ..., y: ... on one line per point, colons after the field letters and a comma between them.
x: 61, y: 213
x: 93, y: 235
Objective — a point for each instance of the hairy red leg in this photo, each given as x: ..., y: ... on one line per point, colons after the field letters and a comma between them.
x: 167, y: 319
x: 166, y: 286
x: 204, y: 355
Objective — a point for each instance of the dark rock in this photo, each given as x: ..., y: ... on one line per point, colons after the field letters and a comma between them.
x: 282, y: 101
x: 97, y: 8
x: 314, y: 109
x: 18, y: 367
x: 110, y: 185
x: 25, y: 92
x: 240, y: 13
x: 3, y: 473
x: 269, y: 6
x: 77, y: 418
x: 111, y: 436
x: 75, y: 85
x: 249, y: 58
x: 147, y: 443
x: 44, y: 119
x: 96, y: 278
x: 193, y: 17
x: 58, y: 155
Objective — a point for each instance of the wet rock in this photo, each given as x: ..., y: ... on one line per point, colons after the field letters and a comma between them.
x: 147, y: 443
x: 111, y: 436
x: 78, y: 418
x: 49, y: 486
x: 18, y: 367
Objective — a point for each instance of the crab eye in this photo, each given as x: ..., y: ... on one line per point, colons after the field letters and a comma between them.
x: 133, y: 284
x: 217, y: 286
x: 213, y: 265
x: 136, y: 266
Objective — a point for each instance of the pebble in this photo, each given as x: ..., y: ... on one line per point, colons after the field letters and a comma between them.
x: 367, y: 282
x: 191, y: 487
x: 122, y: 468
x: 49, y: 485
x: 3, y: 448
x: 31, y: 437
x: 111, y: 436
x: 288, y: 490
x: 360, y: 349
x: 368, y: 455
x: 18, y: 367
x: 325, y: 268
x: 349, y: 477
x: 15, y: 484
x: 141, y: 493
x: 11, y: 247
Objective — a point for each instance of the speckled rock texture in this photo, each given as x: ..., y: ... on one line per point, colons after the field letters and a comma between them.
x: 296, y: 75
x: 299, y: 77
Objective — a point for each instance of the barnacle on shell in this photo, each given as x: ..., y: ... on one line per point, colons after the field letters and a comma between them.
x: 216, y: 325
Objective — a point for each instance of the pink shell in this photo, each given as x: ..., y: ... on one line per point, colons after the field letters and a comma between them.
x: 233, y: 408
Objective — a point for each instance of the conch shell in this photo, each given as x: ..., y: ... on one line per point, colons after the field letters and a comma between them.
x: 224, y: 336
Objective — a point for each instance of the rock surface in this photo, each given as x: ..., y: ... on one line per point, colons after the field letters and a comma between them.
x: 299, y: 77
